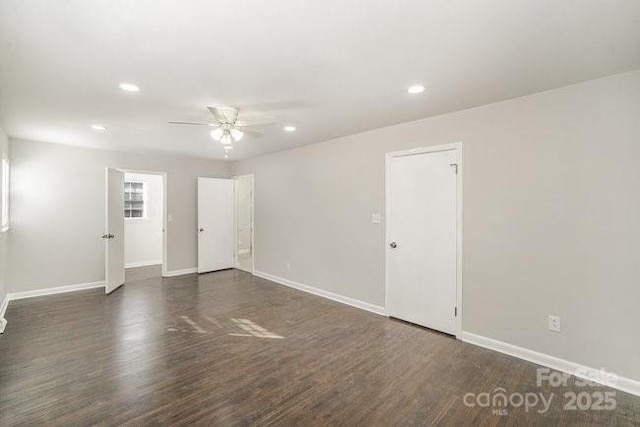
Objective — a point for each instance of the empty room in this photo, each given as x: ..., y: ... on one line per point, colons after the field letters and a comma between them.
x: 338, y: 212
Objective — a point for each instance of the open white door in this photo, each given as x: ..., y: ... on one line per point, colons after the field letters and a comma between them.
x: 422, y: 251
x: 216, y: 224
x: 114, y: 230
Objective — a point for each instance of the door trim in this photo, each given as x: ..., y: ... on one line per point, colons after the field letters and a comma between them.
x: 457, y: 147
x: 253, y: 223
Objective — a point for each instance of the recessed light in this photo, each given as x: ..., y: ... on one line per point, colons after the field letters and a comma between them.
x: 128, y: 87
x: 99, y: 128
x: 413, y: 90
x: 290, y: 128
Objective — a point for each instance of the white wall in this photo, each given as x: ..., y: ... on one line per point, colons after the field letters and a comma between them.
x: 143, y: 236
x: 551, y: 217
x: 57, y: 210
x: 4, y: 149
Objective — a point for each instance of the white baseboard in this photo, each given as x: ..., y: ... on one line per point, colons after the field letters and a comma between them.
x: 182, y: 272
x: 55, y: 290
x: 42, y: 292
x: 321, y: 292
x: 623, y: 384
x: 627, y: 385
x: 142, y: 263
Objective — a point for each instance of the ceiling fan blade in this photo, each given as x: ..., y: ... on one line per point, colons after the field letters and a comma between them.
x: 224, y: 114
x: 217, y: 113
x: 192, y: 123
x: 232, y: 114
x: 248, y: 119
x: 243, y: 124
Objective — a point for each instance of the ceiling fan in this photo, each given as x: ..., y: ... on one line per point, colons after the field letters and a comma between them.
x: 231, y: 124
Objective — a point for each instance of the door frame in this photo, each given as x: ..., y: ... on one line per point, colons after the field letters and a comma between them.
x: 457, y: 147
x: 165, y: 206
x: 253, y: 224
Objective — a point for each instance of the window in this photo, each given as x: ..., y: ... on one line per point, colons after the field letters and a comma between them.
x: 4, y: 214
x: 135, y: 200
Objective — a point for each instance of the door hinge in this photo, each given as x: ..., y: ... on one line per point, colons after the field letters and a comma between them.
x: 455, y: 165
x: 455, y: 311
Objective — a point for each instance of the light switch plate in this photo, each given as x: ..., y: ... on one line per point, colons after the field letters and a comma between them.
x: 375, y: 218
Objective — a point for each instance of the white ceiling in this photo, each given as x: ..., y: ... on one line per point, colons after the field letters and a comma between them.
x: 330, y: 67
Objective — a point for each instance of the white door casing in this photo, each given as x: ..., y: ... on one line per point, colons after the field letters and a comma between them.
x: 243, y: 214
x: 114, y: 230
x: 423, y: 283
x: 245, y: 197
x: 216, y: 224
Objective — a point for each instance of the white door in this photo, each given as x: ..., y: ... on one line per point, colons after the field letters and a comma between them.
x: 421, y: 239
x: 114, y: 230
x: 216, y: 224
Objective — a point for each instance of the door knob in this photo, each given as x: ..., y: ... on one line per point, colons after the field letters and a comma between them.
x: 201, y: 230
x: 393, y: 245
x: 108, y: 236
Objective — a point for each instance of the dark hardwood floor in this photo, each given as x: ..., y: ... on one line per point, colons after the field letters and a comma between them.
x: 228, y: 348
x: 140, y: 273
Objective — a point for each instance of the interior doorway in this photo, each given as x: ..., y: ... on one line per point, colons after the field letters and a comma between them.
x: 144, y: 226
x: 244, y: 222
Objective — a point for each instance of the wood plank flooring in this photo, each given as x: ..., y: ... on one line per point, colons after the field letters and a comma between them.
x: 140, y: 273
x: 228, y: 348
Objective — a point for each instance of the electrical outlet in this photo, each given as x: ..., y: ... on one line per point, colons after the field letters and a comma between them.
x: 554, y: 323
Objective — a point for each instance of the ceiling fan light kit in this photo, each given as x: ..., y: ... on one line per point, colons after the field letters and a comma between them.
x: 217, y: 134
x: 226, y: 139
x: 229, y: 128
x: 236, y: 134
